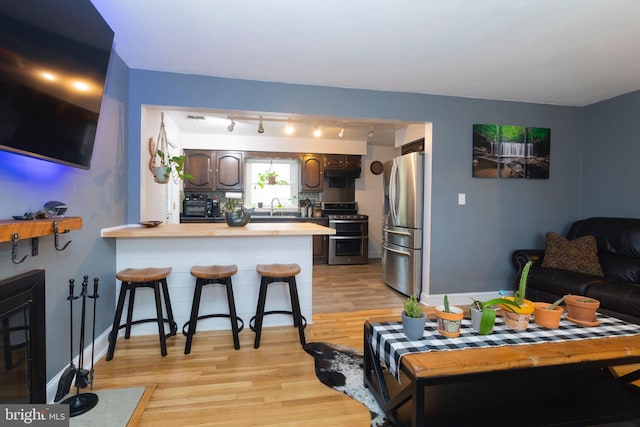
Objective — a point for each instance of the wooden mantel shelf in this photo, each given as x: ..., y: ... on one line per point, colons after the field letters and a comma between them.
x: 28, y: 229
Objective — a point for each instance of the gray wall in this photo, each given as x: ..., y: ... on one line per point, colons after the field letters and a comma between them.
x: 98, y: 195
x: 611, y: 150
x: 471, y: 245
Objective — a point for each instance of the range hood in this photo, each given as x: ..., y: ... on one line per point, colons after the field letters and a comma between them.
x: 342, y: 173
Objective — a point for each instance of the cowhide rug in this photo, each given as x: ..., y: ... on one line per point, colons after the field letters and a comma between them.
x: 341, y: 368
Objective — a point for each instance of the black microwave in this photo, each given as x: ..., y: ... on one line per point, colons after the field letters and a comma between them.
x: 200, y: 207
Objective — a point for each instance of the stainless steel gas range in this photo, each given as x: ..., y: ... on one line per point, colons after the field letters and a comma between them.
x: 350, y: 244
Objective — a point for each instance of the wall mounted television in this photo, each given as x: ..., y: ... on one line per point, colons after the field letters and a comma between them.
x: 53, y: 64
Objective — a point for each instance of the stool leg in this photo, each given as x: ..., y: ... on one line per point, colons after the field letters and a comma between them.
x: 232, y: 313
x: 193, y: 320
x: 163, y: 340
x: 132, y: 297
x: 260, y: 311
x: 167, y: 303
x: 113, y: 335
x: 295, y: 307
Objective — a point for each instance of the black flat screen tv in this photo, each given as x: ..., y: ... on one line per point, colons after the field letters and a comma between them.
x: 53, y: 64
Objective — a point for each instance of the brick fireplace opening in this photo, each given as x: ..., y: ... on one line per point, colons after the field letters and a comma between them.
x: 22, y: 348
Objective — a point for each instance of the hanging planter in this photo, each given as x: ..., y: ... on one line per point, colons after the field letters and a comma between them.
x: 162, y: 164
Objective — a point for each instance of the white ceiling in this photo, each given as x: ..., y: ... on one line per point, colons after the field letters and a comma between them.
x: 566, y: 52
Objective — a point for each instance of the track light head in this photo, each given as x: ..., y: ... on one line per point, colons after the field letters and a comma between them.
x: 231, y: 126
x: 341, y: 133
x: 289, y: 128
x: 371, y: 133
x: 317, y: 132
x: 260, y: 126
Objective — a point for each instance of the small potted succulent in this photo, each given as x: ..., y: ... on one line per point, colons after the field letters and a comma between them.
x: 548, y: 315
x: 413, y: 319
x: 519, y: 317
x: 483, y: 313
x: 449, y: 319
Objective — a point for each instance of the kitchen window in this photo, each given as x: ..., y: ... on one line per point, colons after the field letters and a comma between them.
x: 269, y: 179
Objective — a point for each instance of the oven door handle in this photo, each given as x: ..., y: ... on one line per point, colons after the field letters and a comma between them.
x: 401, y: 233
x: 348, y: 221
x: 396, y: 251
x: 346, y: 237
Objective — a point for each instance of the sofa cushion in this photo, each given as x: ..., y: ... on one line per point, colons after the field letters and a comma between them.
x: 560, y: 282
x: 618, y: 297
x: 620, y: 236
x: 579, y: 255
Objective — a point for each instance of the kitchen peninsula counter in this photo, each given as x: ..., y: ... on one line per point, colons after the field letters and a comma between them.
x: 182, y: 246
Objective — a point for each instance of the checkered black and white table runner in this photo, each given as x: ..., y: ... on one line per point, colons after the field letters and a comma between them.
x: 389, y: 342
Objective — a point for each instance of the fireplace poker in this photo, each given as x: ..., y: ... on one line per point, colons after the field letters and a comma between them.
x: 64, y: 385
x: 95, y: 296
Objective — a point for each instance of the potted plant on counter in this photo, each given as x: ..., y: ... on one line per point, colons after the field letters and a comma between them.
x: 483, y: 313
x: 449, y: 319
x: 518, y: 318
x: 413, y: 319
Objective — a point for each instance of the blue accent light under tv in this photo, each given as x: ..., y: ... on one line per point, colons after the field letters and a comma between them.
x: 53, y: 64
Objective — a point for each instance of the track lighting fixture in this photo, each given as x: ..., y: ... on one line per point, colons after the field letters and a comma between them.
x: 371, y: 133
x: 341, y: 133
x: 289, y: 128
x: 260, y: 126
x: 317, y: 132
x: 231, y: 126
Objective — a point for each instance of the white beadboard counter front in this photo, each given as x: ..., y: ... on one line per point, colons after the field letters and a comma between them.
x: 182, y: 246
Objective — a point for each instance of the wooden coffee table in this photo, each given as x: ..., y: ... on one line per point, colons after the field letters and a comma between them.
x: 499, y: 385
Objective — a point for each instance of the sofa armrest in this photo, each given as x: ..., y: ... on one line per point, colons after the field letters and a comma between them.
x: 521, y: 256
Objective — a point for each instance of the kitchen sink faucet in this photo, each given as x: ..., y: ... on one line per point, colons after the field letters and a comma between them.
x: 279, y: 204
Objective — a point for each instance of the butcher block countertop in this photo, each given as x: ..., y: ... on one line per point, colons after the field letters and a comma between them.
x: 218, y: 230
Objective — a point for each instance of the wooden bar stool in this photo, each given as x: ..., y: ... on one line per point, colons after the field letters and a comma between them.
x: 133, y: 278
x: 278, y: 273
x: 209, y: 275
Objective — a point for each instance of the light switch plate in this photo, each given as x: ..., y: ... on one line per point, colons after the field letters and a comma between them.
x: 462, y: 198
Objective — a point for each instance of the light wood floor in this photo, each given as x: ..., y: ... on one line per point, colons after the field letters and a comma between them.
x: 274, y: 385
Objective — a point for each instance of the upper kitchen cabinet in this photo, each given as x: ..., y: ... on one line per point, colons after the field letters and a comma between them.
x: 230, y: 168
x: 199, y: 164
x: 342, y: 165
x: 311, y: 172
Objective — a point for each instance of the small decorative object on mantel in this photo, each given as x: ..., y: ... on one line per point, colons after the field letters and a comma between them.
x: 449, y: 319
x: 413, y: 319
x: 162, y: 164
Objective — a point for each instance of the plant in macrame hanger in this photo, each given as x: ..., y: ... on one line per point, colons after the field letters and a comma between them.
x: 162, y: 163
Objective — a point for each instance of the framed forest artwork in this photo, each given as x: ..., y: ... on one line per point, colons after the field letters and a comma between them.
x: 507, y: 151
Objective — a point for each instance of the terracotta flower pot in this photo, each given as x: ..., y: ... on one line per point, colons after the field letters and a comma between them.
x: 581, y: 308
x: 449, y: 323
x: 545, y: 317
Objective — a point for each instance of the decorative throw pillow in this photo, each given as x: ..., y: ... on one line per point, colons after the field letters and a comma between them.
x: 579, y: 255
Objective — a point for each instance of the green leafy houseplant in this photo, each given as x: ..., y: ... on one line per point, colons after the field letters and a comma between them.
x: 173, y: 166
x: 269, y: 177
x: 488, y: 312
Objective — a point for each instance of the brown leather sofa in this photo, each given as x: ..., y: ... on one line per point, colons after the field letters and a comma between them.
x: 618, y: 251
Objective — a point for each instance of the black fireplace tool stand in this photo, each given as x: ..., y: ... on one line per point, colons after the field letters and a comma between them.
x: 81, y: 402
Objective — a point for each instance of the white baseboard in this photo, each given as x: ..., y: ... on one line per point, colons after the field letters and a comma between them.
x: 101, y: 346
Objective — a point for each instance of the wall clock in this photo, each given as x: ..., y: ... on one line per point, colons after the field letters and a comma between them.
x: 376, y: 167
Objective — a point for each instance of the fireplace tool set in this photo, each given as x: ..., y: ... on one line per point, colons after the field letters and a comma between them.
x: 80, y: 402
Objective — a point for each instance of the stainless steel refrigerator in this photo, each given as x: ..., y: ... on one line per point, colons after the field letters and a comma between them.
x: 402, y: 223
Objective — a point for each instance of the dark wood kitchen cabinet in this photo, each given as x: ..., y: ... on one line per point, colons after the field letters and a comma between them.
x: 230, y: 169
x: 199, y: 164
x: 416, y: 146
x: 311, y: 172
x: 342, y: 161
